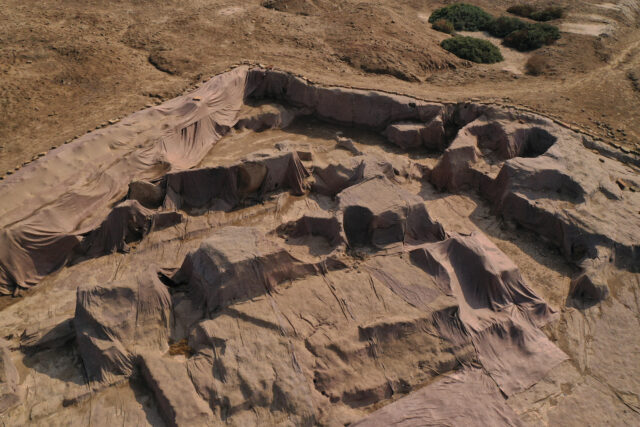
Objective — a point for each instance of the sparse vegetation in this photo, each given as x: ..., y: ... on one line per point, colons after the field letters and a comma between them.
x: 180, y: 348
x: 444, y: 26
x: 516, y: 33
x: 537, y: 65
x: 548, y: 14
x: 505, y: 25
x: 464, y: 17
x: 531, y: 12
x: 473, y: 49
x: 532, y: 37
x: 524, y: 10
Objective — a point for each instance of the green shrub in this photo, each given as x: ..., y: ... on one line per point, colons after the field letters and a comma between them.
x: 505, y: 25
x: 524, y: 10
x: 444, y: 26
x: 464, y: 17
x: 529, y: 11
x: 547, y: 14
x: 473, y: 49
x: 532, y: 37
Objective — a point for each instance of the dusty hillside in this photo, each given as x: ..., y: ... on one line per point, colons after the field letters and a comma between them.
x: 67, y: 67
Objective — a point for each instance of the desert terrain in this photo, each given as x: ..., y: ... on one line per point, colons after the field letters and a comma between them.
x: 291, y: 212
x: 68, y: 67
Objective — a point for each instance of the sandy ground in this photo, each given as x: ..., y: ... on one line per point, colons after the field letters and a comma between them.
x: 67, y: 67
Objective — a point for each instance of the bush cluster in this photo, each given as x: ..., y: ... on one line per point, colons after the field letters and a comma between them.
x: 532, y: 37
x: 463, y: 17
x: 548, y: 14
x: 529, y: 11
x: 517, y: 34
x: 473, y: 49
x: 524, y: 10
x: 505, y: 25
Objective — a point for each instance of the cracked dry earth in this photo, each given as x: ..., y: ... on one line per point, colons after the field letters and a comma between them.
x: 268, y: 251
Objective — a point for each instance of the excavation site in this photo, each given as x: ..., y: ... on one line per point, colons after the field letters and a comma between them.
x: 266, y: 250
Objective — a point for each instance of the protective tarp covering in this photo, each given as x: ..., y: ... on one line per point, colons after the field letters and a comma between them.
x: 173, y: 390
x: 222, y: 188
x: 464, y: 398
x: 10, y: 393
x: 116, y: 321
x: 72, y: 189
x: 127, y: 222
x: 532, y: 172
x: 237, y: 264
x: 69, y: 192
x: 335, y: 177
x: 377, y: 212
x: 314, y: 225
x: 323, y: 302
x: 496, y: 309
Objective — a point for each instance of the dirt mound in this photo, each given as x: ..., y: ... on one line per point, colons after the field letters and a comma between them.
x: 115, y: 321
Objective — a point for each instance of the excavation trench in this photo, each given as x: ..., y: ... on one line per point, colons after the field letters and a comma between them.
x: 308, y: 266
